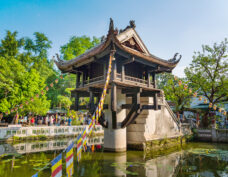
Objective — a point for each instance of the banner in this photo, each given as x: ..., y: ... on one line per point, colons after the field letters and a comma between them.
x: 56, y: 168
x: 70, y: 160
x: 79, y: 147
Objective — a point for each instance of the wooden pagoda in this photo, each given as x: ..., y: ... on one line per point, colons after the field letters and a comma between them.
x: 133, y: 72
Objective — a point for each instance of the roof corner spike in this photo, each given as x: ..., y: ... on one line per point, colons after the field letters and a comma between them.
x: 174, y: 59
x: 132, y: 24
x: 111, y: 26
x: 58, y: 58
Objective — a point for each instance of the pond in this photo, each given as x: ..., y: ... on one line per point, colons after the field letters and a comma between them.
x: 192, y: 159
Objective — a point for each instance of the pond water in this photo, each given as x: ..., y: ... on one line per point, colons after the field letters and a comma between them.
x: 192, y: 159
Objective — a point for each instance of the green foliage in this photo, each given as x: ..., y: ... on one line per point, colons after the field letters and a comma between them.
x: 18, y: 85
x: 77, y: 46
x: 175, y: 92
x: 209, y: 70
x: 10, y: 45
x: 64, y: 102
x: 19, y: 80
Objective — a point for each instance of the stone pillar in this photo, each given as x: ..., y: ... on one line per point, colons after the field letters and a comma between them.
x: 115, y: 139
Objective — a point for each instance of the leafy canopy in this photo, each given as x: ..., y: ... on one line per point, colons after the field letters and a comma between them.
x: 208, y: 72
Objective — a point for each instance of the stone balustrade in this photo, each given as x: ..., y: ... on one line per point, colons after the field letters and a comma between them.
x: 8, y: 132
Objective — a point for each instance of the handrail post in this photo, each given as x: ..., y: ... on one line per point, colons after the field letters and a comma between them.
x: 123, y: 73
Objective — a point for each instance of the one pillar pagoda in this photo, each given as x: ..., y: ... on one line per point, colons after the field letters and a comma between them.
x: 135, y: 110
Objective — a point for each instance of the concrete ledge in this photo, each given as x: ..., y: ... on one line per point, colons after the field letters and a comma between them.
x: 157, y: 144
x: 115, y: 149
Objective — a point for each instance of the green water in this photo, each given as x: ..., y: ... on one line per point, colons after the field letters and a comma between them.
x: 193, y: 159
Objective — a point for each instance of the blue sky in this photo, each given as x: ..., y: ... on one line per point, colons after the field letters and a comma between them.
x: 166, y: 26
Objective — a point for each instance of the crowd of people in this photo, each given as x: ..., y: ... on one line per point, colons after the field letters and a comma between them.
x: 48, y: 120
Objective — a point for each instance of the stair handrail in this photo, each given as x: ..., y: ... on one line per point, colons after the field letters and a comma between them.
x: 172, y: 113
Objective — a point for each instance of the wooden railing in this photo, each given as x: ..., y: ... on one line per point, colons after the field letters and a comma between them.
x: 93, y: 80
x: 133, y: 80
x: 126, y: 79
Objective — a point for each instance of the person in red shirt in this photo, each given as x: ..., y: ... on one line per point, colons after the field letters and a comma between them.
x: 32, y: 120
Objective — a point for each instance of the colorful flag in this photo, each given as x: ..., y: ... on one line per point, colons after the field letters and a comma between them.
x: 70, y: 160
x: 79, y: 147
x: 56, y: 168
x: 84, y: 139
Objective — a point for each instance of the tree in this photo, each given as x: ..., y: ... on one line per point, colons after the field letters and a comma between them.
x: 10, y: 45
x: 208, y: 72
x: 17, y: 86
x: 64, y: 102
x: 175, y: 90
x: 19, y: 81
x: 77, y: 46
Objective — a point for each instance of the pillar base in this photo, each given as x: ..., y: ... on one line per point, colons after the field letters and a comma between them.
x: 115, y: 140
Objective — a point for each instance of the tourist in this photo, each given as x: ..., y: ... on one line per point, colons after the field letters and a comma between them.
x: 51, y: 120
x: 32, y: 121
x: 46, y: 121
x: 69, y: 121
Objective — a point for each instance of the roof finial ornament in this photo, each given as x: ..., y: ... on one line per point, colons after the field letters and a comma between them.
x: 58, y: 58
x: 132, y: 23
x: 111, y: 25
x: 174, y: 59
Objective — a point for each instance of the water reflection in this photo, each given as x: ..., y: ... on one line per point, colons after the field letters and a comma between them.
x: 195, y: 159
x: 42, y: 146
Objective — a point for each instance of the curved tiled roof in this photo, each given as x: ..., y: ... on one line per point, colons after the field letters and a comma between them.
x: 112, y: 37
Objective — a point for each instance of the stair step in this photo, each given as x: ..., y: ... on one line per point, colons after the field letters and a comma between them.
x: 136, y: 128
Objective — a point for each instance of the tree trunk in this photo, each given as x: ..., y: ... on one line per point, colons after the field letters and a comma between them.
x: 205, y: 122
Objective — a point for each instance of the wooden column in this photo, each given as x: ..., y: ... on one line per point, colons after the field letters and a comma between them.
x: 76, y: 101
x: 105, y: 71
x: 78, y: 80
x: 91, y: 101
x: 148, y: 79
x: 114, y: 69
x: 154, y: 80
x: 114, y: 105
x: 155, y: 95
x: 155, y: 101
x: 123, y: 72
x: 83, y: 78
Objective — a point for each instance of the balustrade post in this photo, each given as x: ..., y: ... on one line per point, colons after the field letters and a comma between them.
x: 123, y: 73
x: 148, y: 79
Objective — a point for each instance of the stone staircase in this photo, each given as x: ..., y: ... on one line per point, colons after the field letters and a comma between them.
x: 153, y: 124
